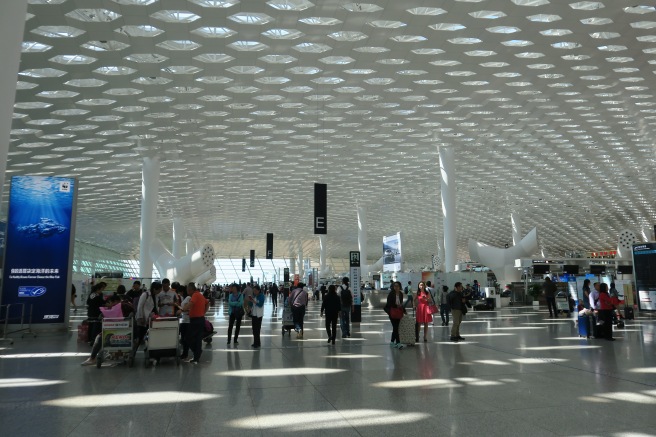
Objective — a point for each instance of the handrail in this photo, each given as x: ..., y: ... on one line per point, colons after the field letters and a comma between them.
x: 5, y: 331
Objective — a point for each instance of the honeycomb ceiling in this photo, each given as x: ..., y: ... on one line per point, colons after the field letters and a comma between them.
x: 549, y: 105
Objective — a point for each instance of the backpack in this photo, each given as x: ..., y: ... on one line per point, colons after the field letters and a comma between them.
x: 346, y: 297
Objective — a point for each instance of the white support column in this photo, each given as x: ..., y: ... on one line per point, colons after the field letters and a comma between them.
x: 439, y: 259
x: 149, y: 196
x: 448, y: 190
x: 301, y: 269
x: 516, y: 228
x: 362, y: 242
x: 292, y: 267
x: 179, y: 235
x: 189, y: 245
x: 322, y: 255
x: 12, y: 23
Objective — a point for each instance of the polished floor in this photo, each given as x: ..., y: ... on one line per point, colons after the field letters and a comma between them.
x: 519, y: 373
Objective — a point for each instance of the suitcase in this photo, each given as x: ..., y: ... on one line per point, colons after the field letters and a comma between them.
x: 407, y: 330
x: 585, y: 326
x: 596, y: 331
x: 628, y: 313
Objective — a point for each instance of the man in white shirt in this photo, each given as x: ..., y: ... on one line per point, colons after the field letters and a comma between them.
x: 594, y: 297
x: 166, y: 299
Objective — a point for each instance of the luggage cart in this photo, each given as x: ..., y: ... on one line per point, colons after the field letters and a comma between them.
x: 116, y: 338
x: 287, y: 320
x: 562, y: 304
x: 163, y: 340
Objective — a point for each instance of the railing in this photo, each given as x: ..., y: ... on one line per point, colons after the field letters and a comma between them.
x: 7, y: 318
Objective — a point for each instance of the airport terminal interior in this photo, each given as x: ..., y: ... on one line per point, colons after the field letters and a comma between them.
x: 517, y: 373
x: 482, y: 137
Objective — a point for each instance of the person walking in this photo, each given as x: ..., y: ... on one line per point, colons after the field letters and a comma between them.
x: 331, y: 305
x: 198, y: 306
x: 257, y: 312
x: 346, y: 298
x: 395, y: 302
x: 274, y: 295
x: 423, y: 300
x: 549, y: 289
x: 298, y: 299
x: 408, y: 293
x: 235, y: 312
x: 456, y: 301
x: 445, y: 309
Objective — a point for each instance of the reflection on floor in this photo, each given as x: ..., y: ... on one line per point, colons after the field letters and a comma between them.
x: 518, y: 373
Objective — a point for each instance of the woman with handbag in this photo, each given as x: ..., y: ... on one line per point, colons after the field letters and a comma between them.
x: 236, y: 311
x: 394, y: 308
x: 425, y: 308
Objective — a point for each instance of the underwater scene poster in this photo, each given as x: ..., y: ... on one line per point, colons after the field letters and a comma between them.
x: 38, y: 246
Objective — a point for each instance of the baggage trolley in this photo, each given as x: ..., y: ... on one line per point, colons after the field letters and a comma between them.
x: 163, y: 340
x: 562, y: 304
x: 117, y: 336
x: 287, y: 320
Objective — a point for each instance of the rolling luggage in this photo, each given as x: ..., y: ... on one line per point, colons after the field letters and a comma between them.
x: 628, y: 313
x: 585, y: 326
x: 287, y: 320
x: 208, y: 332
x: 407, y: 330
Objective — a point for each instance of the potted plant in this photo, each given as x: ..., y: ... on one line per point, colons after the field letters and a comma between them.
x: 535, y: 290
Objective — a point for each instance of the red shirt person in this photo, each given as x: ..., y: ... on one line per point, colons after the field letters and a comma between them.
x: 198, y: 306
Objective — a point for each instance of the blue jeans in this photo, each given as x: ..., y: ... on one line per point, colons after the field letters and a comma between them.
x: 444, y: 313
x: 344, y: 322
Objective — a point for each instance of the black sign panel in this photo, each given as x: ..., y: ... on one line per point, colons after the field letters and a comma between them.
x: 252, y: 258
x: 286, y: 275
x: 269, y: 246
x: 320, y: 208
x: 243, y: 264
x: 354, y: 259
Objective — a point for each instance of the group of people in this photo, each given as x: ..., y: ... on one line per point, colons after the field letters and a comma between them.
x: 425, y: 304
x: 602, y: 301
x: 241, y: 302
x: 188, y: 303
x: 162, y: 299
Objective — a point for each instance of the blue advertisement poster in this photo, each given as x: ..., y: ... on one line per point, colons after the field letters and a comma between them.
x: 38, y: 246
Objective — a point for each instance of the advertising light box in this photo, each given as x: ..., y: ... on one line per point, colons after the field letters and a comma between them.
x: 644, y: 265
x: 38, y: 251
x: 392, y: 257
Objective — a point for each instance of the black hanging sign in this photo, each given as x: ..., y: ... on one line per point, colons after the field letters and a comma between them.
x: 269, y: 246
x: 320, y: 208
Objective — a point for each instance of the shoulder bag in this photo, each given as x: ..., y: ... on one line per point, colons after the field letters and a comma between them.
x: 396, y: 313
